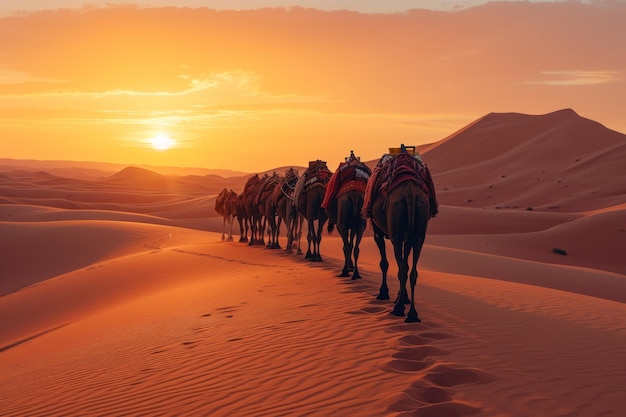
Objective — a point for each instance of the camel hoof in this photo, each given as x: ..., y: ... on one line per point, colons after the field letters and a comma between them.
x: 288, y: 250
x: 383, y: 295
x: 230, y: 239
x: 299, y: 252
x: 398, y: 310
x: 412, y: 317
x: 344, y: 274
x: 356, y: 276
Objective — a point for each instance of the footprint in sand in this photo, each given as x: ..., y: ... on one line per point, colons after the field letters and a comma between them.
x: 450, y: 408
x: 450, y: 375
x: 405, y: 365
x: 374, y: 309
x: 419, y: 353
x: 414, y: 340
x: 431, y: 395
x: 369, y: 310
x: 412, y: 359
x: 425, y: 400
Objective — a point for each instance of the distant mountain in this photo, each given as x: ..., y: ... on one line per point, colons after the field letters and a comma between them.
x: 97, y: 170
x: 145, y: 179
x: 556, y: 161
x: 138, y: 175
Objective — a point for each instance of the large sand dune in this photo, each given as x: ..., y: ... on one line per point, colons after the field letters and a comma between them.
x: 118, y: 296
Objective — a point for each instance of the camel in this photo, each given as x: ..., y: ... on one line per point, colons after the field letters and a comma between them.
x: 343, y: 202
x: 242, y: 218
x: 400, y: 210
x: 267, y: 209
x: 286, y: 210
x: 250, y: 191
x: 308, y: 197
x: 225, y: 207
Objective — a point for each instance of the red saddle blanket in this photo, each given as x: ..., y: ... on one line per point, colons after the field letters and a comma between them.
x: 347, y: 177
x: 392, y: 171
x: 316, y: 177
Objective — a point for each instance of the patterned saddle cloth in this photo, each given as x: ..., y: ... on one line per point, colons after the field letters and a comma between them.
x: 251, y: 186
x: 348, y: 176
x: 316, y: 175
x: 267, y: 188
x: 393, y: 170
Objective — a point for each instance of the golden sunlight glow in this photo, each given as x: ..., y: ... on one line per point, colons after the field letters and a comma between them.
x: 162, y: 142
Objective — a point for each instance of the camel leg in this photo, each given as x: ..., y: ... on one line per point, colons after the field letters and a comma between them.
x: 351, y: 244
x: 400, y: 251
x: 231, y: 219
x: 277, y: 234
x: 253, y: 230
x: 346, y: 252
x: 412, y: 316
x: 262, y: 224
x: 243, y: 236
x: 309, y: 239
x: 300, y: 223
x: 359, y: 235
x: 289, y: 227
x: 383, y: 293
x: 317, y: 256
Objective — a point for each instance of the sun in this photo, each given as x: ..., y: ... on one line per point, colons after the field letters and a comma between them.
x: 162, y: 142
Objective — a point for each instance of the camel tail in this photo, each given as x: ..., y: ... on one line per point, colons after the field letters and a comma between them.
x: 331, y: 227
x: 412, y: 203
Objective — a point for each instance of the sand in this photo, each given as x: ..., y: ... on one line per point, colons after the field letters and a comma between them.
x: 124, y: 300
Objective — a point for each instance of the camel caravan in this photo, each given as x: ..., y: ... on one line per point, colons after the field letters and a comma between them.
x: 398, y: 196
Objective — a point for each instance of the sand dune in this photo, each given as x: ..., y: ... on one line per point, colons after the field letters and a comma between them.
x: 118, y: 296
x: 521, y: 161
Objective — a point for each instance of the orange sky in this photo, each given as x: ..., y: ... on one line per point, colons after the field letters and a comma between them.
x: 256, y: 89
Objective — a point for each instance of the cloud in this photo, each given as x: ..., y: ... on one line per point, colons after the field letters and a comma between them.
x: 577, y: 78
x: 8, y: 76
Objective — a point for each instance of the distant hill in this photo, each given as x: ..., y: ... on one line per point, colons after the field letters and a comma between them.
x: 512, y: 160
x: 96, y: 170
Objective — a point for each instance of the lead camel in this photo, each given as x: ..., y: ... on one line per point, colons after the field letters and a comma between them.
x: 402, y: 203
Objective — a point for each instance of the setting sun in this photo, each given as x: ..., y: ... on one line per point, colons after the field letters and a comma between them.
x: 162, y: 142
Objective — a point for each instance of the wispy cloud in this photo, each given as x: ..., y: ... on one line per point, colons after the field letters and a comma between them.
x: 8, y: 76
x: 224, y: 90
x: 577, y: 78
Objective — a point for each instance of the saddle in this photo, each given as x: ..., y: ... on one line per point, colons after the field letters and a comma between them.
x: 251, y: 184
x: 394, y: 169
x: 266, y: 188
x: 317, y: 174
x: 351, y: 175
x: 286, y: 186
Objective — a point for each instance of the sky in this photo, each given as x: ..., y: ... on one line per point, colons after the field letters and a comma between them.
x: 362, y: 6
x: 269, y: 85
